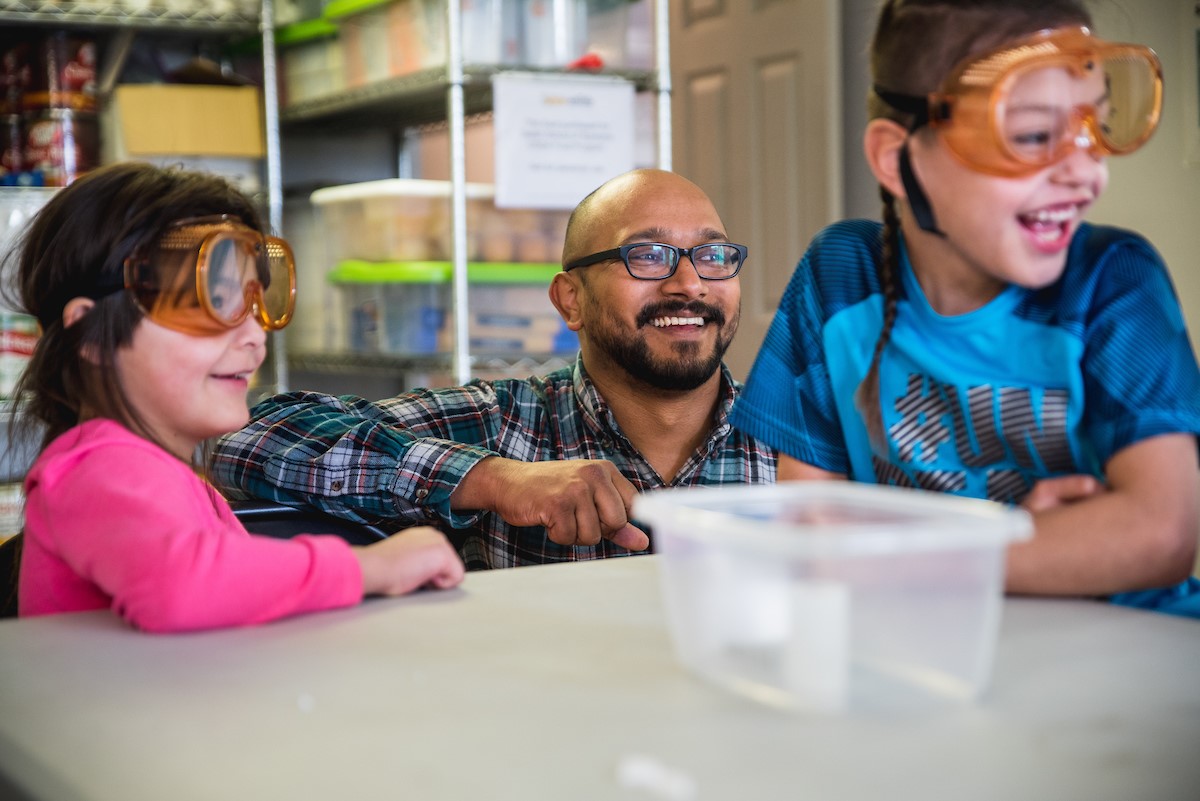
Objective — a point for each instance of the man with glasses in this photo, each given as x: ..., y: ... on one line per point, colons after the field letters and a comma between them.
x: 544, y: 469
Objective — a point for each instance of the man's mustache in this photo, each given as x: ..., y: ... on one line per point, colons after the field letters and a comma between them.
x: 711, y: 314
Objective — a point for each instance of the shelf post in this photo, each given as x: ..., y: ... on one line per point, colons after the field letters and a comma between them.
x: 662, y: 68
x: 274, y: 168
x: 456, y: 117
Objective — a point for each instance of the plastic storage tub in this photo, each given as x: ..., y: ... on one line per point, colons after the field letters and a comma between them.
x: 403, y: 308
x: 409, y: 220
x: 311, y: 58
x: 397, y: 308
x: 828, y: 596
x: 394, y: 219
x: 511, y: 313
x: 384, y: 38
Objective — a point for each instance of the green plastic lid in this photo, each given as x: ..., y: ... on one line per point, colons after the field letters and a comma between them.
x: 337, y: 9
x: 354, y: 271
x: 305, y: 31
x: 507, y: 273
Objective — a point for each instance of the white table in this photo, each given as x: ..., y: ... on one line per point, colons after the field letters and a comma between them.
x: 536, y: 683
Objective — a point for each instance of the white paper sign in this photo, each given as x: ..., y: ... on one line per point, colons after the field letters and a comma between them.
x: 558, y: 137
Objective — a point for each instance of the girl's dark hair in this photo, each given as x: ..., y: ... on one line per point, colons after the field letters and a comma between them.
x: 76, y: 243
x: 915, y: 46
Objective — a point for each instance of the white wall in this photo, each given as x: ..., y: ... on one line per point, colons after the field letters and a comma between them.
x: 1155, y: 191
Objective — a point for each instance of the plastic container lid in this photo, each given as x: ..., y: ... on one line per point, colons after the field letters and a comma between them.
x: 308, y: 30
x: 494, y: 272
x: 396, y: 187
x: 355, y: 271
x: 336, y: 9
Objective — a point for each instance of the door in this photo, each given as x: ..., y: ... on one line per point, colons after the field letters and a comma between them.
x: 756, y: 122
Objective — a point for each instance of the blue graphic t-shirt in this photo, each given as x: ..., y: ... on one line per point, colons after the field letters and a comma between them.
x: 1035, y: 383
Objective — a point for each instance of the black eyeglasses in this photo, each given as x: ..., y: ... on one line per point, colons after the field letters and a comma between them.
x: 654, y: 261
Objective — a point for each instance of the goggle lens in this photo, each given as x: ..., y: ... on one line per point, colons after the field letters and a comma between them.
x: 1052, y: 110
x: 1133, y: 102
x: 1028, y: 105
x: 279, y: 295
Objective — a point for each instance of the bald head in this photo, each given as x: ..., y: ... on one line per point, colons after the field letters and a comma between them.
x: 601, y: 219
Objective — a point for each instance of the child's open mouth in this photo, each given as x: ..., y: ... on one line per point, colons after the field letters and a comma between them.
x: 1050, y: 227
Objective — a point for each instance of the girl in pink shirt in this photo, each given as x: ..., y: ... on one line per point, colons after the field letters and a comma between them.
x: 154, y: 289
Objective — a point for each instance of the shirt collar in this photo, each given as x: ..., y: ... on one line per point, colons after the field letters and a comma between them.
x: 600, y: 418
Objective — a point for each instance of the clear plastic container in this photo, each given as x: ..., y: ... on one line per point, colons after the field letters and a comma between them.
x: 396, y: 37
x: 409, y: 220
x: 365, y: 34
x: 831, y: 596
x: 511, y: 313
x: 403, y: 308
x: 394, y: 219
x: 311, y: 59
x: 395, y: 308
x: 553, y: 32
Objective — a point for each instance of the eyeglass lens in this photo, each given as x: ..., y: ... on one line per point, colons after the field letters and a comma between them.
x: 659, y: 261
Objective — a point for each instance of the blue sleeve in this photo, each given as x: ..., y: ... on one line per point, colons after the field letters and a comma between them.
x: 788, y: 400
x: 1140, y: 372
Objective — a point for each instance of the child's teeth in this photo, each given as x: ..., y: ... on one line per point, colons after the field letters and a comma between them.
x: 1054, y: 216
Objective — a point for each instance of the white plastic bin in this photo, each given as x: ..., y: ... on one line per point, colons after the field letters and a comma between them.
x: 827, y: 596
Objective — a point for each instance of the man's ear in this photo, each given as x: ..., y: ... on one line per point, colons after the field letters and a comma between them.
x: 566, y: 295
x: 882, y: 142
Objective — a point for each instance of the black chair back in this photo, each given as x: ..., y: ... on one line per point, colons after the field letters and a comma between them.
x: 10, y: 566
x: 271, y: 519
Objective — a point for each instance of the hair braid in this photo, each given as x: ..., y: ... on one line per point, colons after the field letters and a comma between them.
x: 866, y: 399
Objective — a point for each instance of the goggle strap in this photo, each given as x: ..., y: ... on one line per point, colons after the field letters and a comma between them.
x: 915, y: 105
x: 918, y: 201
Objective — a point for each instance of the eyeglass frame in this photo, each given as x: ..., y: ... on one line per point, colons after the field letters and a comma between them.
x: 622, y: 253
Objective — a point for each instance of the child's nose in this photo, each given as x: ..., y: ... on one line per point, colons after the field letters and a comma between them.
x: 250, y: 332
x: 1081, y: 165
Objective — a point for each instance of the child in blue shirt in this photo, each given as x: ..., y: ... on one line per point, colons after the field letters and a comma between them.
x: 984, y: 340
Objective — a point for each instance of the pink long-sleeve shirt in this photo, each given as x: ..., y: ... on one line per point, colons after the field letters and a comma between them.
x: 113, y: 521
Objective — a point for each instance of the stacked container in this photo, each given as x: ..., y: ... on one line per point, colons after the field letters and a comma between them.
x: 388, y: 246
x: 61, y: 136
x: 311, y: 60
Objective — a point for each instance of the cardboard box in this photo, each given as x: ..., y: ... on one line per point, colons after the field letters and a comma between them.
x: 150, y: 120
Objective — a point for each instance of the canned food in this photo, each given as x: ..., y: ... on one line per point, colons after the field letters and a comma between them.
x: 12, y: 144
x: 16, y: 73
x: 61, y: 144
x: 66, y: 74
x: 18, y: 335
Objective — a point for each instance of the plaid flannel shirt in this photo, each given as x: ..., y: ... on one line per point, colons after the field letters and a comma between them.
x: 395, y: 462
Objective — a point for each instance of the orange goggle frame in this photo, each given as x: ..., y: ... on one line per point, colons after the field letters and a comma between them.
x: 206, y: 275
x: 1017, y: 109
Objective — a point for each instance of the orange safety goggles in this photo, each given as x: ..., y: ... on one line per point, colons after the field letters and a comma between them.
x: 207, y: 274
x: 1017, y: 109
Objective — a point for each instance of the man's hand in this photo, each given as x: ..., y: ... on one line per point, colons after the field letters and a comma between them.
x: 578, y: 501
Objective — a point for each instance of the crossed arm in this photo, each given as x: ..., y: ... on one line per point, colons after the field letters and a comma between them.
x: 1136, y: 530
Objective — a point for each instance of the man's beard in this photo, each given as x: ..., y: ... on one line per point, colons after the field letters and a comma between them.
x: 687, y: 368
